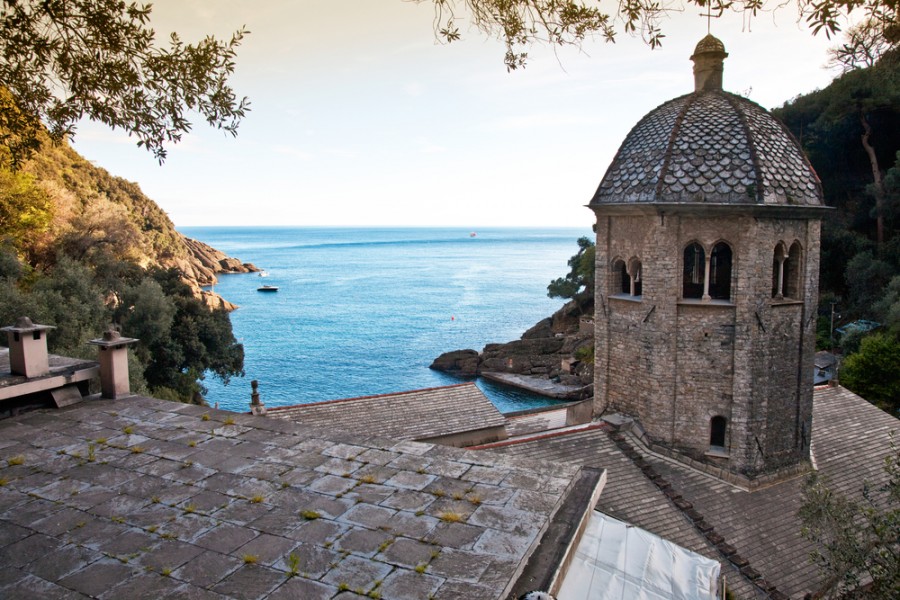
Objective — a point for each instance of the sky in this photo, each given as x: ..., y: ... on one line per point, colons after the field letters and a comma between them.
x: 361, y: 118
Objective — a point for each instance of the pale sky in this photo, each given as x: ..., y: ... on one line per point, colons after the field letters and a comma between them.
x: 359, y: 118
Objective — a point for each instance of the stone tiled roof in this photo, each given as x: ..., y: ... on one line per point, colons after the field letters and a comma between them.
x: 851, y: 438
x: 711, y: 147
x: 414, y: 415
x: 142, y: 498
x: 628, y: 494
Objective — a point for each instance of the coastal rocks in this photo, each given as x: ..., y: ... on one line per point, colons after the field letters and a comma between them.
x: 458, y: 362
x: 557, y: 353
x: 199, y: 268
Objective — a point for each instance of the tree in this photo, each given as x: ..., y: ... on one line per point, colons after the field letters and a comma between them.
x: 25, y: 209
x: 579, y: 281
x: 874, y: 371
x: 62, y: 60
x: 520, y: 23
x: 857, y: 546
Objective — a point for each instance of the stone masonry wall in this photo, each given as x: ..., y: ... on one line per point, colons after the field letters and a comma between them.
x: 676, y: 363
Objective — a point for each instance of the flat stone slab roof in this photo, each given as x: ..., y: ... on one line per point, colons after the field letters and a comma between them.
x: 143, y: 498
x: 414, y: 415
x: 851, y: 438
x: 59, y: 365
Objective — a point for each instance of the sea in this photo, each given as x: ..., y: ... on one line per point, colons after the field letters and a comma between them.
x: 360, y: 312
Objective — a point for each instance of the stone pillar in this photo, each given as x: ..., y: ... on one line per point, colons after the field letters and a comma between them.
x: 256, y: 407
x: 28, y: 348
x: 114, y: 382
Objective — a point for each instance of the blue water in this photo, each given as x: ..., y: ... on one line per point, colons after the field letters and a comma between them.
x: 365, y: 311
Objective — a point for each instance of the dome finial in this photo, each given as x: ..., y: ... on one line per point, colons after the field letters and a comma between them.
x: 709, y: 57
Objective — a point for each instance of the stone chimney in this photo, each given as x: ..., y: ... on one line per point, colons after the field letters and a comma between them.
x: 114, y: 382
x: 256, y: 407
x: 28, y: 348
x: 709, y: 57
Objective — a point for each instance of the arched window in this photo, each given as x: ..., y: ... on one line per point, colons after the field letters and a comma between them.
x: 717, y: 427
x: 792, y: 268
x: 694, y: 268
x: 621, y: 283
x: 778, y: 271
x: 634, y: 269
x: 720, y: 272
x: 786, y: 272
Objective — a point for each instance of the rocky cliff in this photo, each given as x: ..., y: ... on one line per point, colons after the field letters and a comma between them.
x: 200, y: 267
x: 555, y: 357
x: 90, y: 212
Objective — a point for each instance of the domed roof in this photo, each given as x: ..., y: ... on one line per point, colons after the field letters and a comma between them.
x: 713, y: 147
x: 709, y: 44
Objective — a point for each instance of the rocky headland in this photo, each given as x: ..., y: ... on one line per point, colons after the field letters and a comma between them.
x: 200, y: 267
x: 91, y: 210
x: 554, y: 358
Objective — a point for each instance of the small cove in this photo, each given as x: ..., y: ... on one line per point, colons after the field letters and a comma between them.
x: 364, y: 311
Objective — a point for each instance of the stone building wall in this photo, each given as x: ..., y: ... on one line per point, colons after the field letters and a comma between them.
x: 676, y: 363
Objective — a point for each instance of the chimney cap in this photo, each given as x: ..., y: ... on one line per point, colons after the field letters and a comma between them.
x: 26, y: 325
x: 112, y: 339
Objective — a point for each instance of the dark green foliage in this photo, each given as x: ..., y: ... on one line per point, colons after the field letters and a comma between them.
x: 180, y: 338
x: 874, y: 371
x: 579, y: 281
x: 63, y: 60
x: 856, y: 539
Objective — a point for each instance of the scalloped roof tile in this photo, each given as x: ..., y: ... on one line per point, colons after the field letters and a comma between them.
x: 713, y: 147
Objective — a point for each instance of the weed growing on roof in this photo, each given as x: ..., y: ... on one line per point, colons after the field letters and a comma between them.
x: 128, y: 429
x: 101, y: 440
x: 475, y: 499
x: 155, y: 500
x: 420, y: 568
x: 343, y: 587
x: 450, y: 517
x: 190, y: 509
x: 3, y: 481
x: 257, y: 498
x: 228, y: 421
x: 165, y: 571
x: 137, y: 449
x: 367, y: 479
x: 204, y: 417
x: 310, y: 515
x: 192, y: 444
x: 92, y: 452
x: 152, y: 528
x: 250, y: 559
x: 15, y: 460
x: 293, y: 562
x: 438, y: 493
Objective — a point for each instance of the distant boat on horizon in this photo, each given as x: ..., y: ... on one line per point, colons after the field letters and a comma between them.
x: 267, y: 288
x: 473, y: 234
x: 263, y: 273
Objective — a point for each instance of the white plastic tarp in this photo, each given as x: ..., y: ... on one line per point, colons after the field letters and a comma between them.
x: 617, y: 561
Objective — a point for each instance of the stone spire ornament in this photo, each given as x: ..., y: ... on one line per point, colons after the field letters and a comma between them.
x: 709, y: 57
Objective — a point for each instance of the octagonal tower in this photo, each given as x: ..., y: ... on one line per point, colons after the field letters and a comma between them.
x: 707, y: 265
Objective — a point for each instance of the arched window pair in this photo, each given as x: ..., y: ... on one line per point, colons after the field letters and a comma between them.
x: 707, y: 278
x: 786, y: 272
x: 627, y: 279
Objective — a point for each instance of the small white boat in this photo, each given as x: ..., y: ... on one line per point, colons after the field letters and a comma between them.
x: 263, y: 274
x: 267, y: 288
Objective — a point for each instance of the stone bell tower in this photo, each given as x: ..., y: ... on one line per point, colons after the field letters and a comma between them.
x: 707, y: 269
